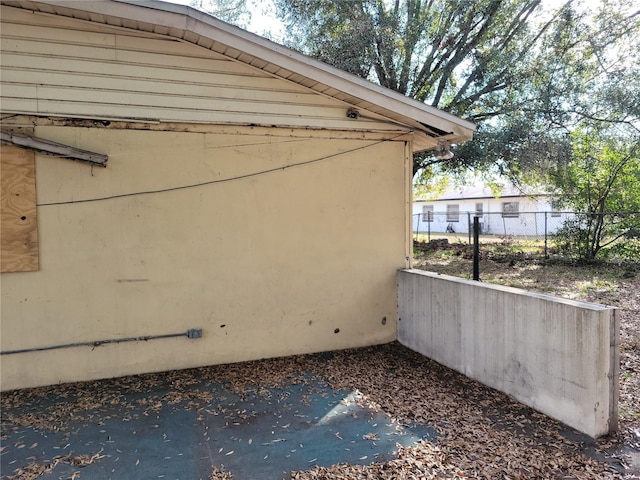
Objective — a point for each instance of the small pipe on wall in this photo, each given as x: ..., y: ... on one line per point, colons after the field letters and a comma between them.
x: 192, y: 333
x: 55, y: 149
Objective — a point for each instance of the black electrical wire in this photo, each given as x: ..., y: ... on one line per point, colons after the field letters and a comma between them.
x: 222, y: 180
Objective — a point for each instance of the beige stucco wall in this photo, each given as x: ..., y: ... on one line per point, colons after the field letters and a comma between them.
x: 265, y: 265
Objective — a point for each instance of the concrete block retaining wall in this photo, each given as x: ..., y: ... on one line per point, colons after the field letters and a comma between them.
x: 558, y: 356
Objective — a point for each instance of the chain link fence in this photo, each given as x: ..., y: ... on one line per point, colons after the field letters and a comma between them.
x: 536, y: 233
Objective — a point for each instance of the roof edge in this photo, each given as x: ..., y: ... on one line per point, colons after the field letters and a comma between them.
x: 185, y: 18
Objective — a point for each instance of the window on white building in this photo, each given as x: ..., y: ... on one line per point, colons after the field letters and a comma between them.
x: 427, y: 213
x: 453, y: 213
x: 510, y: 209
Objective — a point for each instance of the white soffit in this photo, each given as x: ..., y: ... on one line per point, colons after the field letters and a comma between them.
x: 193, y: 26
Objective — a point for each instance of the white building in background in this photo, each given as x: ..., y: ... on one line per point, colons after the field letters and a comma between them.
x: 513, y: 212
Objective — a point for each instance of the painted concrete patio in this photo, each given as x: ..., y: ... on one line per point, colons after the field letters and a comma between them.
x: 153, y: 427
x: 267, y: 419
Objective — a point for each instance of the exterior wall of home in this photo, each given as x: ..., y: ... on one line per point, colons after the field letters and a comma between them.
x: 276, y: 254
x: 530, y: 220
x: 53, y: 65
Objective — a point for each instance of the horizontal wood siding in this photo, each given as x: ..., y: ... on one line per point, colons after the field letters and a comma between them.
x: 67, y: 67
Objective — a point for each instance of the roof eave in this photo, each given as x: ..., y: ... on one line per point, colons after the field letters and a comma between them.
x: 180, y: 20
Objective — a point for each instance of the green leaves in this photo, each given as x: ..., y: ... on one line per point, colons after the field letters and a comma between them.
x: 528, y: 75
x: 603, y: 181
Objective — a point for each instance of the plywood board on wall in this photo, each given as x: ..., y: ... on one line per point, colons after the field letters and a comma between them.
x: 18, y: 217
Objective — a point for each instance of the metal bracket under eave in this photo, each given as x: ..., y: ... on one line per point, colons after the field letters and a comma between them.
x: 48, y: 147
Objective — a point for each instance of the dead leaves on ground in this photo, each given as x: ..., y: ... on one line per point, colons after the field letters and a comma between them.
x: 35, y: 470
x: 220, y: 474
x: 482, y: 433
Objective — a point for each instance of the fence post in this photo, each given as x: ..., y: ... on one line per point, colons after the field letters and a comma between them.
x: 476, y: 248
x: 546, y: 255
x: 469, y: 225
x: 418, y: 228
